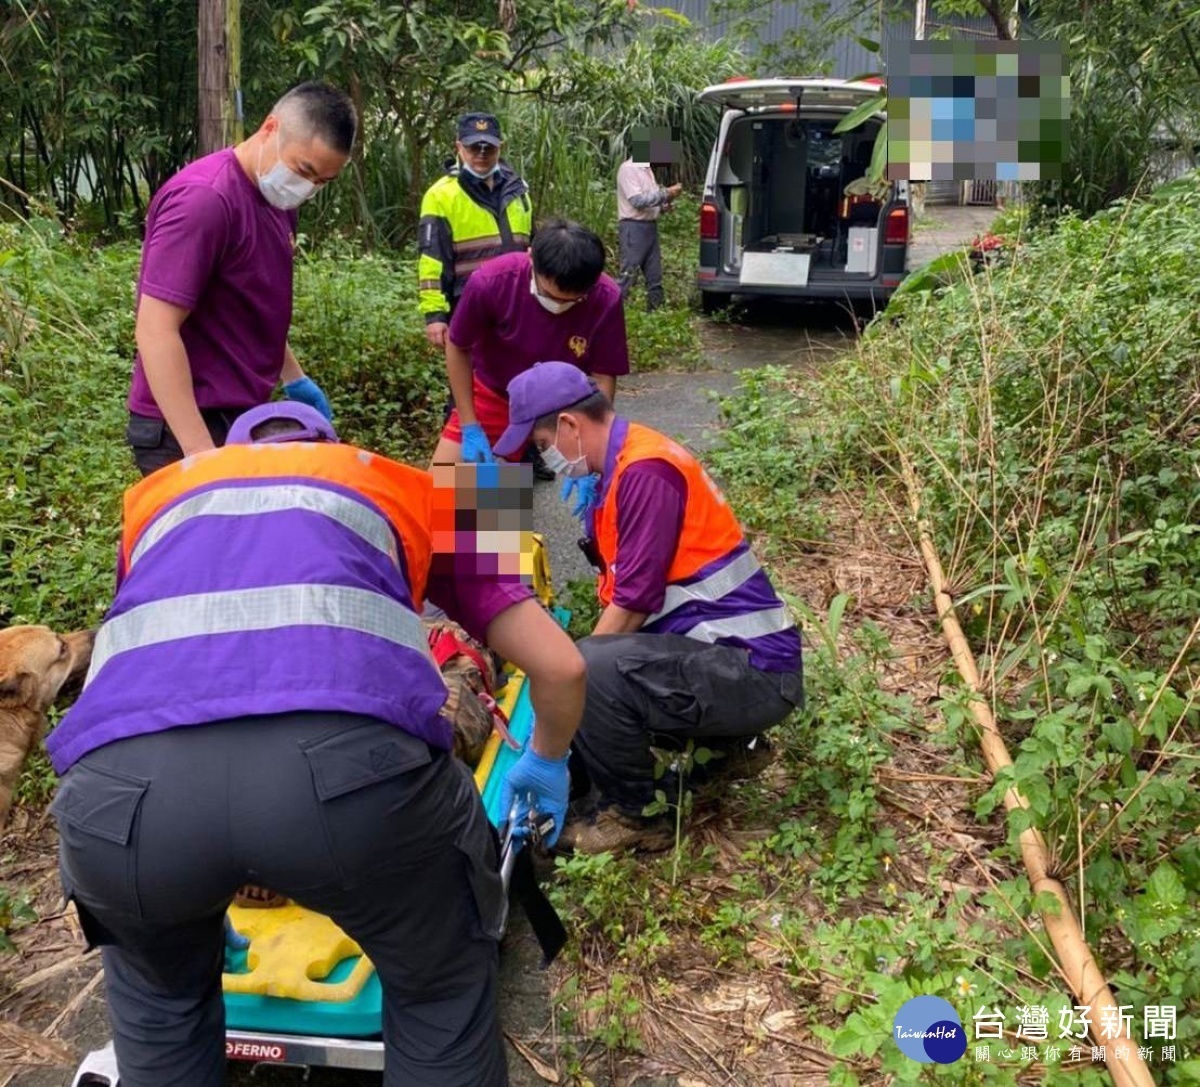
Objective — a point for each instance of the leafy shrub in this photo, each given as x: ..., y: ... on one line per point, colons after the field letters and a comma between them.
x: 357, y: 331
x: 1050, y: 411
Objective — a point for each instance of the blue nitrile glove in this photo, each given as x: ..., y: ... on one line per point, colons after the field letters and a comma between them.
x: 307, y: 391
x: 542, y: 785
x: 234, y: 940
x: 235, y: 947
x: 476, y: 449
x: 584, y: 489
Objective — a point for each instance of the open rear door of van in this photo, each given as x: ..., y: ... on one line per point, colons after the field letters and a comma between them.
x: 747, y: 94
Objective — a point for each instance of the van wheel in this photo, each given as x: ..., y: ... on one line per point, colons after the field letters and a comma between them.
x: 712, y: 302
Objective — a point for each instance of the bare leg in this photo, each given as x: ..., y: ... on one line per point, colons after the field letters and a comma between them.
x: 447, y: 452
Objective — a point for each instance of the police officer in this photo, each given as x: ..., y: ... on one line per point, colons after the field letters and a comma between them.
x: 262, y: 707
x: 693, y: 642
x: 479, y: 210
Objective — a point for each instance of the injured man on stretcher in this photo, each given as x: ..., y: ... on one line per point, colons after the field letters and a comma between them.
x: 263, y: 707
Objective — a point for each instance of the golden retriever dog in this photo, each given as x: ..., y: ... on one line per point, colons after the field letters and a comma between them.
x: 35, y: 665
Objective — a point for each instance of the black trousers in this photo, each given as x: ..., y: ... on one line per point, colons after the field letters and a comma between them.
x: 646, y: 689
x: 345, y: 814
x: 154, y: 446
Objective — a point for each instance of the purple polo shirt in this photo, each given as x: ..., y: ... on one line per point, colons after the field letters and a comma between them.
x: 506, y: 330
x: 479, y: 602
x: 651, y: 504
x: 214, y: 246
x: 650, y: 507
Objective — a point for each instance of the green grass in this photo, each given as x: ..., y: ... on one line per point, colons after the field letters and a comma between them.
x: 1049, y: 406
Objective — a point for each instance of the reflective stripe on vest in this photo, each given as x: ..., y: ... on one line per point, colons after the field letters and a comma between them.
x: 710, y: 530
x: 753, y: 624
x: 403, y: 496
x: 240, y: 501
x: 241, y: 610
x: 718, y: 584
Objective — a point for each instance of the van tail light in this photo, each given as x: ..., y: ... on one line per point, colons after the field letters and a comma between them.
x: 896, y: 230
x: 708, y: 222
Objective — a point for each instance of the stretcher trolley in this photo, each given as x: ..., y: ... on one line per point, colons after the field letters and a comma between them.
x: 303, y: 994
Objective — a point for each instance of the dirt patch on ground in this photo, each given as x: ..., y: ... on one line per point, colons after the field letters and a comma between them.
x: 50, y: 989
x: 706, y: 1021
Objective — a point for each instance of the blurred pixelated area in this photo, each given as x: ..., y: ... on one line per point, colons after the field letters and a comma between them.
x: 483, y: 521
x: 977, y: 111
x: 655, y: 145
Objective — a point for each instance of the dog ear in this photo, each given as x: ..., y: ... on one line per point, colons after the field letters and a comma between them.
x: 17, y: 690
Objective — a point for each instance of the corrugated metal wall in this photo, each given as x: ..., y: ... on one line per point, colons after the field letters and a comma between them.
x: 845, y: 58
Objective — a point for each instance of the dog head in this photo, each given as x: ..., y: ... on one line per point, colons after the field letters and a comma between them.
x: 36, y: 663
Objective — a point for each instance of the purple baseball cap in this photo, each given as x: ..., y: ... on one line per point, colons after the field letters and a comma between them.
x: 543, y: 388
x: 315, y: 427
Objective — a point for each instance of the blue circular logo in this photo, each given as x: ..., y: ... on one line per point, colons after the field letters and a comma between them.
x: 927, y: 1029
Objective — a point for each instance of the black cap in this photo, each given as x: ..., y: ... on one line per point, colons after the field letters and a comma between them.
x: 479, y: 128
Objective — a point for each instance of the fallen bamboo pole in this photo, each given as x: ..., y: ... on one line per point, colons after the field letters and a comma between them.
x: 1075, y: 959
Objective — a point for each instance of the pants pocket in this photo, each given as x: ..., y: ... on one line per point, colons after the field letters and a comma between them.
x: 97, y: 812
x: 363, y: 780
x: 478, y: 843
x: 670, y: 693
x: 735, y: 698
x: 791, y: 687
x: 145, y: 432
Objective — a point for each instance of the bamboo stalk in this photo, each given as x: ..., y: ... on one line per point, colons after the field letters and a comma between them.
x: 1076, y: 962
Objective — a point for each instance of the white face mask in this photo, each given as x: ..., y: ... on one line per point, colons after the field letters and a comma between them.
x: 281, y: 186
x: 485, y: 174
x: 554, y: 459
x: 550, y: 304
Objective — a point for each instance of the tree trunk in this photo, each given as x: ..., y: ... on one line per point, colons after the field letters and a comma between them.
x: 232, y: 102
x: 213, y: 67
x: 1003, y: 18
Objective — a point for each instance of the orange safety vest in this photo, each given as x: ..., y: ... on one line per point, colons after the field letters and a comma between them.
x: 265, y: 579
x: 402, y: 494
x: 710, y: 529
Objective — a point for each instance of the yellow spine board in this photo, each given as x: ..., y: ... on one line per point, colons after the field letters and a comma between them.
x: 291, y: 950
x: 512, y: 689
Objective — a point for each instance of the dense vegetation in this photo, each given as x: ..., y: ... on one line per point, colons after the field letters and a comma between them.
x: 1049, y: 406
x: 98, y: 101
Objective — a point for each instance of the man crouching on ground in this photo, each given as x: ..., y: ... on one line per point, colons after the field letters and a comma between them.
x: 693, y: 641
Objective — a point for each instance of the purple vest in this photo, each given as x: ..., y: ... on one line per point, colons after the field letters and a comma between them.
x: 258, y: 596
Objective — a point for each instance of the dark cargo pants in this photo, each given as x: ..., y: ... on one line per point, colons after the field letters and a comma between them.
x: 348, y: 816
x: 637, y: 240
x: 154, y: 446
x: 643, y: 689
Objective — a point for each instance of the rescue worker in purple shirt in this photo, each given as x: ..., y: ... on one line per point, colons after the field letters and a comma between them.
x: 693, y: 642
x: 553, y: 302
x: 262, y: 706
x: 214, y: 295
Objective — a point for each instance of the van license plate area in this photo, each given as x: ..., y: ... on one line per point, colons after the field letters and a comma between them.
x: 775, y: 269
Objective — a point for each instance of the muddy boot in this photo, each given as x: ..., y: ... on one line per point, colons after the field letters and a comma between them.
x: 608, y: 831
